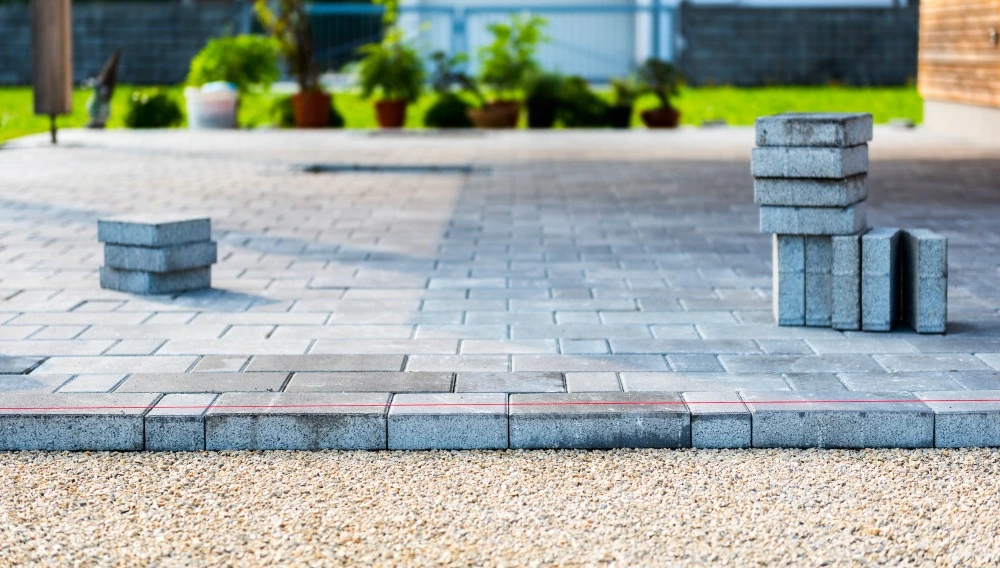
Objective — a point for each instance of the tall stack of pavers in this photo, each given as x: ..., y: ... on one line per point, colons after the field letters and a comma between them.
x: 156, y: 254
x: 830, y: 270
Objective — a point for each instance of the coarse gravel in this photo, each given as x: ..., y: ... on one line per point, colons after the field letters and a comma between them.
x: 626, y: 507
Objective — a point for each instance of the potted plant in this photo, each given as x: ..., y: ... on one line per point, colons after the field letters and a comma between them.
x: 289, y: 25
x: 450, y: 109
x: 663, y: 80
x: 581, y: 107
x: 225, y: 69
x: 542, y: 96
x: 504, y: 64
x: 392, y: 70
x: 625, y: 92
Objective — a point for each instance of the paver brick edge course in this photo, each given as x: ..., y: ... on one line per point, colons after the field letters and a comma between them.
x: 106, y: 422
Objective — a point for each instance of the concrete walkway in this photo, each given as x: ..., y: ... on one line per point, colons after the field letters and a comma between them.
x: 605, y: 281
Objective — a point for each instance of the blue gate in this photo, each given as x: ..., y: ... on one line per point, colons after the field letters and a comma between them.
x: 595, y: 41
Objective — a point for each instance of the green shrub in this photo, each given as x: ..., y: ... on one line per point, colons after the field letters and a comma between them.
x: 510, y: 58
x: 580, y: 107
x: 283, y: 115
x: 152, y: 108
x: 247, y: 61
x: 391, y: 68
x: 448, y: 111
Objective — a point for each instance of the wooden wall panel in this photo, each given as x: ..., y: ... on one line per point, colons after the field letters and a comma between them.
x: 959, y: 61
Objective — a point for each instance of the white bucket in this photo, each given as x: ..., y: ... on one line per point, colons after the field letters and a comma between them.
x: 211, y: 107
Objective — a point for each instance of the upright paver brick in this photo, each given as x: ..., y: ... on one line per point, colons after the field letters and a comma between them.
x: 153, y: 230
x: 73, y: 421
x: 924, y: 258
x: 718, y: 420
x: 297, y: 421
x: 831, y: 420
x: 880, y: 279
x: 964, y: 418
x: 804, y: 192
x: 819, y: 280
x: 805, y: 162
x: 814, y: 220
x: 137, y: 282
x: 846, y: 284
x: 599, y: 420
x: 448, y: 421
x: 814, y: 129
x: 177, y: 423
x: 789, y: 279
x: 161, y: 259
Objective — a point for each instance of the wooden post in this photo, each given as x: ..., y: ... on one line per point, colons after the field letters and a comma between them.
x: 52, y: 58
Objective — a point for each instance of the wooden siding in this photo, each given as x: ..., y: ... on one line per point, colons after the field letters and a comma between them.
x: 957, y: 60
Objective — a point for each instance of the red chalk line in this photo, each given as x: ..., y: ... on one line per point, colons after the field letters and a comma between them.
x: 485, y: 404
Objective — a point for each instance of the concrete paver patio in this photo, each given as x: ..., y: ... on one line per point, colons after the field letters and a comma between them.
x: 559, y: 262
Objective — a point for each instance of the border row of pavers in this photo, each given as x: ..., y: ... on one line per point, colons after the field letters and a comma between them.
x: 418, y: 421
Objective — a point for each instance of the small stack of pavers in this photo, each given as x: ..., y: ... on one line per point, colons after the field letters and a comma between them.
x: 811, y: 182
x: 151, y: 254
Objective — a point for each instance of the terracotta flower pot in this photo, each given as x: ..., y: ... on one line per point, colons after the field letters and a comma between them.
x: 663, y: 117
x: 498, y: 114
x: 390, y: 113
x: 620, y: 116
x: 311, y: 109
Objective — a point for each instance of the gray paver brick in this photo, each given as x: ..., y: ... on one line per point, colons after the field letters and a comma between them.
x: 297, y: 421
x: 449, y: 421
x: 553, y: 421
x: 153, y: 230
x: 924, y: 274
x: 799, y: 192
x: 325, y: 363
x: 814, y: 129
x: 806, y: 162
x: 370, y: 382
x: 880, y: 279
x: 845, y: 308
x: 814, y: 220
x: 963, y: 418
x: 177, y: 423
x: 161, y: 259
x: 718, y: 420
x: 510, y: 382
x: 203, y: 382
x: 136, y: 282
x: 73, y: 421
x: 826, y: 420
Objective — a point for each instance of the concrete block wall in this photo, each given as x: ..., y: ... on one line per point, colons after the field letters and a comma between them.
x: 157, y: 40
x: 732, y: 45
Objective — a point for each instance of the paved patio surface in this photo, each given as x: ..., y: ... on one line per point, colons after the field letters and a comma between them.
x: 539, y: 265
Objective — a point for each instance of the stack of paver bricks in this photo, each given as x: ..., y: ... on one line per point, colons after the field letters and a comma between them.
x: 811, y: 182
x: 150, y: 254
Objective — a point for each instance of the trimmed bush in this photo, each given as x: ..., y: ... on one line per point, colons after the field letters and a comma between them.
x: 152, y: 108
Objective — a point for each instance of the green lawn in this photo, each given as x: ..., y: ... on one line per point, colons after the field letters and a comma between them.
x: 737, y: 106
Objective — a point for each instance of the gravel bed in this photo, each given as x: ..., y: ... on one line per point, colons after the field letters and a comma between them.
x: 502, y: 508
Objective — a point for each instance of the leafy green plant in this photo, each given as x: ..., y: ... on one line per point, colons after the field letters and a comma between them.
x: 289, y: 26
x: 247, y: 61
x: 151, y: 108
x: 544, y: 87
x: 581, y: 107
x: 662, y: 79
x: 283, y: 114
x: 625, y: 91
x: 508, y: 60
x: 391, y: 68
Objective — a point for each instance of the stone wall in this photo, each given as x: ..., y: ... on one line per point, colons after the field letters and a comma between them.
x: 798, y: 46
x: 157, y: 40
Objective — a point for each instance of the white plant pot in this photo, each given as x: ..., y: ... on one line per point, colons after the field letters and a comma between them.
x: 211, y: 110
